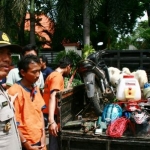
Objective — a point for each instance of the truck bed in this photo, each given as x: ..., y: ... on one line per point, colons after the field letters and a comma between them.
x: 73, y: 103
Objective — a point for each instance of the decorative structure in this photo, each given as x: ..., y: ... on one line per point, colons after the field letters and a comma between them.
x: 72, y: 47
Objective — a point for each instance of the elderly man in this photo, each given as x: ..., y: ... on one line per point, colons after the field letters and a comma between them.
x: 9, y: 138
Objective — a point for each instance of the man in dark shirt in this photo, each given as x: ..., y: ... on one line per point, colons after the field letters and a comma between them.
x: 44, y: 67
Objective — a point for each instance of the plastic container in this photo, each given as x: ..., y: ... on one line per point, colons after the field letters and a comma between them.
x: 128, y: 89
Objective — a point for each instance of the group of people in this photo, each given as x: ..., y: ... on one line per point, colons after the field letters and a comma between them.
x: 30, y: 91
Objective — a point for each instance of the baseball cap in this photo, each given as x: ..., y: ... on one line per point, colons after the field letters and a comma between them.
x: 6, y: 42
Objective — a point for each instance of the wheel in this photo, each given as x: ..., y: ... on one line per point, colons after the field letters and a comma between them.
x: 96, y: 100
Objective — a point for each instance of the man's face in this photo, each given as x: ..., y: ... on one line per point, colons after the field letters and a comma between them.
x: 31, y: 52
x: 5, y: 61
x: 42, y: 63
x: 33, y: 72
x: 67, y: 71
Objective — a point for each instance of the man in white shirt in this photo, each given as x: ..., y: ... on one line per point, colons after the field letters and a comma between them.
x: 13, y: 75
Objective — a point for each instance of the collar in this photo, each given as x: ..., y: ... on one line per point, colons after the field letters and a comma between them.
x: 27, y: 89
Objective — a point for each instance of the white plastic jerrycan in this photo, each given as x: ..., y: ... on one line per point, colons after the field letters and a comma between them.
x: 128, y: 89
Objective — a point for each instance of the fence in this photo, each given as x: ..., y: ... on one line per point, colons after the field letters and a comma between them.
x: 51, y: 55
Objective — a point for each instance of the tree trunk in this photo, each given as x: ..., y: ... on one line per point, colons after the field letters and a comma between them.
x: 21, y: 32
x: 86, y: 23
x: 148, y: 14
x: 32, y: 22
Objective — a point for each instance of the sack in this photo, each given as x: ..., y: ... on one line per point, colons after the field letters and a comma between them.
x: 141, y: 119
x: 140, y: 116
x: 117, y: 127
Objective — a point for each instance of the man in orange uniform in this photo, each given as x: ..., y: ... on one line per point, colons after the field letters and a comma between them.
x: 28, y: 104
x: 54, y: 83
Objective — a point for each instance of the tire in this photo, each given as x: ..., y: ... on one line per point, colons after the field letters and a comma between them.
x: 96, y: 100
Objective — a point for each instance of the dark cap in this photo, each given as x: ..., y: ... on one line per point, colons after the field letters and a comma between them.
x: 5, y: 42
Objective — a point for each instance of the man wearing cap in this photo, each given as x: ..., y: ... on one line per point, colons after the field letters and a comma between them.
x: 9, y: 138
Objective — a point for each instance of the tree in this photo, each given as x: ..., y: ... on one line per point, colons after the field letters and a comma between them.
x: 109, y: 19
x: 32, y: 21
x: 12, y: 18
x: 140, y: 38
x: 86, y: 23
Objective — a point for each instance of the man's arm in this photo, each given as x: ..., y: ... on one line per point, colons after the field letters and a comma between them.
x: 43, y: 140
x: 26, y: 144
x: 53, y: 127
x: 11, y: 78
x: 41, y: 85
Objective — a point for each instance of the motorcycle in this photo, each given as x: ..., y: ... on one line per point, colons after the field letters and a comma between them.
x: 94, y: 73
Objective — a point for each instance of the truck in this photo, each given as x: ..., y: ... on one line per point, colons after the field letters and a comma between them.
x: 72, y: 104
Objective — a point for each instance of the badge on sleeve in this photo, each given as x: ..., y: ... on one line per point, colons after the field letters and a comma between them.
x: 4, y: 103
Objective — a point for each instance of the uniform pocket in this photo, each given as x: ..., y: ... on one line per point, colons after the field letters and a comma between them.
x: 6, y: 113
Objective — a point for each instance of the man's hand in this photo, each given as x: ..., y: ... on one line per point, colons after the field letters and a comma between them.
x: 30, y: 147
x: 53, y: 129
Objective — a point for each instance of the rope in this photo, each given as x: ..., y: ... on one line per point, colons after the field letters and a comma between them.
x: 117, y: 127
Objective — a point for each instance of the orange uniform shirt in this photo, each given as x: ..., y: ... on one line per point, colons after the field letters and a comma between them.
x: 54, y: 81
x: 28, y: 112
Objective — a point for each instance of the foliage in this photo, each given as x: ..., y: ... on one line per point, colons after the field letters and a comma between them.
x: 122, y: 43
x: 12, y: 16
x: 75, y: 82
x: 60, y: 55
x: 71, y: 54
x: 15, y: 59
x: 109, y: 18
x: 12, y: 10
x: 140, y: 38
x: 70, y: 21
x: 87, y: 50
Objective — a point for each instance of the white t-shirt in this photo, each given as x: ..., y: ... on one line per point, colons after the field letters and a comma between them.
x: 13, y: 77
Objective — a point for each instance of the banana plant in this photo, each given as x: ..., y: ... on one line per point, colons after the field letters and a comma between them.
x: 87, y: 50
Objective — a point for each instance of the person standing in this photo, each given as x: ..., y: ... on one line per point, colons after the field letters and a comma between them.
x: 55, y: 82
x: 13, y: 75
x: 44, y: 66
x: 29, y: 104
x: 9, y: 137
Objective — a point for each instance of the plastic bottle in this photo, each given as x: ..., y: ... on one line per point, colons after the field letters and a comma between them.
x: 128, y: 89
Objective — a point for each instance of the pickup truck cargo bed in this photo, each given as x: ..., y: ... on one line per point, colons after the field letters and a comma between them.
x: 71, y: 104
